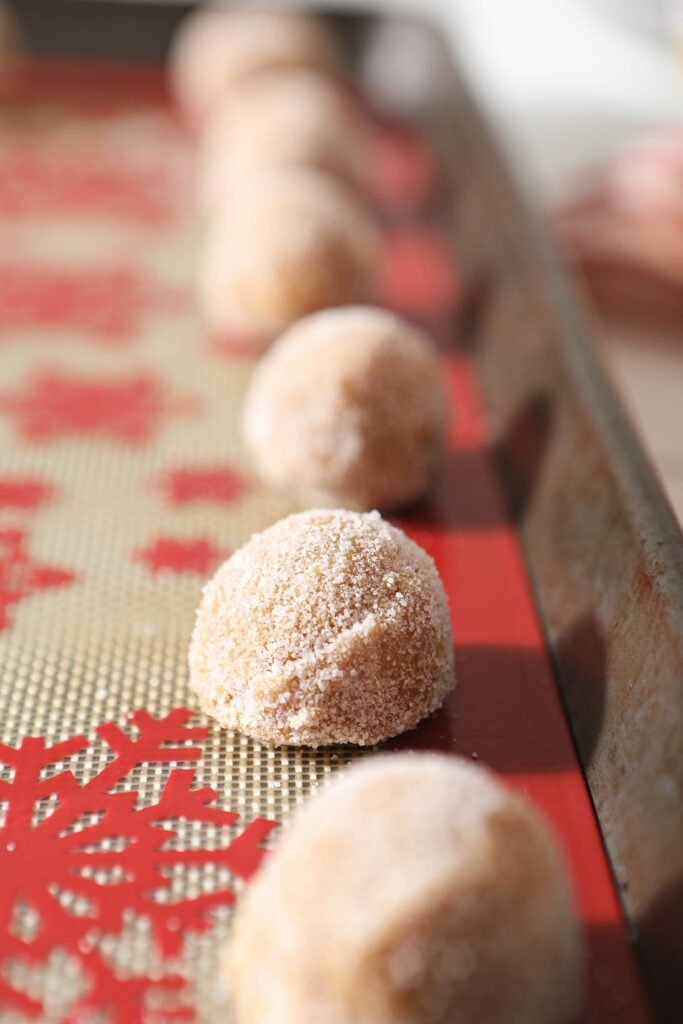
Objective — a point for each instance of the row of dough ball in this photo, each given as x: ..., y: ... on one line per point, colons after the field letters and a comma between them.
x: 332, y: 626
x: 297, y: 634
x: 416, y: 889
x: 347, y: 408
x: 279, y: 165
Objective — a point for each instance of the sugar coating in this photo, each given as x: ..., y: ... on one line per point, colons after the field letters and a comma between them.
x: 415, y: 890
x: 285, y: 243
x: 348, y: 408
x: 285, y: 118
x: 328, y: 627
x: 216, y: 51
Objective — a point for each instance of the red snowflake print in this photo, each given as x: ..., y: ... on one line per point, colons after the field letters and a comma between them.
x: 401, y: 170
x: 35, y: 182
x: 416, y: 273
x: 54, y: 404
x: 180, y: 555
x: 24, y: 492
x: 96, y: 844
x: 107, y: 304
x: 20, y: 575
x: 188, y: 484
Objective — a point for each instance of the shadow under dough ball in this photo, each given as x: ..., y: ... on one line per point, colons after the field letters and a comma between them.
x: 416, y: 889
x: 328, y: 627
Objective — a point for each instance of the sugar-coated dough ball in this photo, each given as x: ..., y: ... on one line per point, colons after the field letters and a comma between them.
x: 216, y: 50
x: 347, y: 408
x: 415, y: 890
x: 284, y: 245
x: 329, y: 627
x: 287, y: 118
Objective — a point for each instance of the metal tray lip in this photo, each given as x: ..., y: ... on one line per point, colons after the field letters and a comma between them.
x: 647, y: 504
x: 655, y: 535
x: 594, y: 389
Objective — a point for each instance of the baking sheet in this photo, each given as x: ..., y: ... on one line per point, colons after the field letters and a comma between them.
x: 122, y: 484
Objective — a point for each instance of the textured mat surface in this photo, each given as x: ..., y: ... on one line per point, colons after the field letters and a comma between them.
x: 122, y: 485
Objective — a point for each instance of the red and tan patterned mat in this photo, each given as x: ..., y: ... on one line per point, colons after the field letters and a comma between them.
x: 130, y: 823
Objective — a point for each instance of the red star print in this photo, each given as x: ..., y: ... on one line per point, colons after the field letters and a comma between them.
x: 172, y: 554
x: 234, y: 346
x: 107, y: 303
x: 20, y: 576
x: 401, y: 171
x: 26, y: 492
x: 203, y: 483
x: 37, y: 183
x: 416, y: 273
x: 54, y: 404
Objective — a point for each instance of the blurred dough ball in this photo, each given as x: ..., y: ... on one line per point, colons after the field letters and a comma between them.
x: 348, y: 408
x: 415, y: 890
x: 216, y: 50
x: 283, y: 245
x: 329, y: 627
x: 285, y: 118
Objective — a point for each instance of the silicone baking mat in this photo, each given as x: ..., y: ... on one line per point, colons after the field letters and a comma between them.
x: 130, y: 822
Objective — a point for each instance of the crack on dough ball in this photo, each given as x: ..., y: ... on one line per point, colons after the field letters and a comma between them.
x: 282, y: 119
x: 417, y: 889
x: 348, y: 408
x: 285, y: 244
x: 329, y: 627
x: 216, y: 51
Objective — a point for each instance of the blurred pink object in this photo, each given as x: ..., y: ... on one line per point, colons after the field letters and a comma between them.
x: 624, y: 228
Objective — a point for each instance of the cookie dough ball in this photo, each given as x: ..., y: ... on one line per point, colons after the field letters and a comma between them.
x: 348, y: 408
x: 415, y: 890
x: 216, y: 51
x: 284, y: 245
x: 329, y: 627
x: 288, y: 118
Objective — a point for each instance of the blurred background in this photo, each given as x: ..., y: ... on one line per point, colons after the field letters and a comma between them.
x: 587, y: 97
